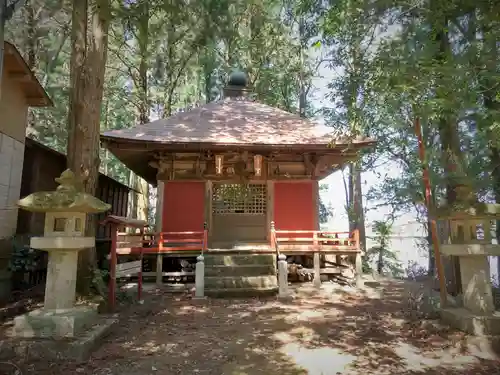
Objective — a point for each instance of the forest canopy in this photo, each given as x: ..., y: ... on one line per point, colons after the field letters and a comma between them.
x: 383, y: 64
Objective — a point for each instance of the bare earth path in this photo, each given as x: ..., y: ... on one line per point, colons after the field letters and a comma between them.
x: 320, y: 333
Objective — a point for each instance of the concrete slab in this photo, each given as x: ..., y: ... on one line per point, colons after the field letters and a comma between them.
x: 177, y: 288
x: 241, y: 292
x: 478, y: 325
x: 77, y: 349
x: 484, y: 347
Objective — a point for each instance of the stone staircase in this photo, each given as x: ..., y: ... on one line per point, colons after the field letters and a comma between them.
x: 240, y: 275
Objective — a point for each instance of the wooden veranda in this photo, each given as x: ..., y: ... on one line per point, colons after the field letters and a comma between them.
x: 190, y: 244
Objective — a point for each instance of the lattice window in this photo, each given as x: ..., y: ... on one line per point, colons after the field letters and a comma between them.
x: 239, y: 199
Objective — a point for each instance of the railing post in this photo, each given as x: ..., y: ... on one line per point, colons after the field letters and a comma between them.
x: 336, y: 242
x: 205, y: 238
x: 282, y: 276
x: 199, y: 281
x: 159, y: 260
x: 355, y: 234
x: 139, y: 276
x: 112, y: 268
x: 272, y: 236
x: 316, y: 260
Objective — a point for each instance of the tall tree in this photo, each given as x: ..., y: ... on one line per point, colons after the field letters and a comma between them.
x: 349, y: 29
x: 135, y: 35
x: 88, y: 62
x: 453, y: 162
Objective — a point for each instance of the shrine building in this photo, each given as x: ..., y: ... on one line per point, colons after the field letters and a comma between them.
x: 235, y: 166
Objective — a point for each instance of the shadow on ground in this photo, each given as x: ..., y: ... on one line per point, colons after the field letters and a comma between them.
x: 321, y: 333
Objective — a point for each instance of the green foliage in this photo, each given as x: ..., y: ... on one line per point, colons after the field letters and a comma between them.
x: 40, y: 30
x: 387, y: 62
x: 325, y: 211
x: 414, y: 76
x: 385, y: 258
x: 23, y: 257
x: 397, y: 60
x: 188, y: 48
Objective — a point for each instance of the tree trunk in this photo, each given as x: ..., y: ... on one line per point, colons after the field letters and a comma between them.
x: 143, y: 41
x: 492, y: 105
x: 88, y: 61
x: 105, y: 167
x: 453, y: 162
x: 31, y: 54
x: 380, y: 261
x: 142, y: 37
x: 350, y: 100
x: 303, y: 83
x: 143, y: 187
x: 430, y: 246
x: 356, y: 211
x: 495, y: 175
x: 132, y: 204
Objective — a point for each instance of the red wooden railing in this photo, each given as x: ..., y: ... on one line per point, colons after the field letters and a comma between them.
x: 115, y: 223
x: 163, y: 242
x: 313, y: 240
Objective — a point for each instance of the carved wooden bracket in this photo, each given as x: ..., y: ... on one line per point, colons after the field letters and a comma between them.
x: 165, y: 168
x: 311, y: 163
x: 324, y: 162
x: 200, y: 167
x: 270, y: 166
x: 241, y: 168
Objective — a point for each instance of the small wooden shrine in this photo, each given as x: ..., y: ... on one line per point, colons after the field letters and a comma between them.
x: 237, y: 175
x: 236, y: 165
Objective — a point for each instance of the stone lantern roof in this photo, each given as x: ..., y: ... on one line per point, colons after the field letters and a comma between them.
x: 467, y: 207
x: 68, y: 197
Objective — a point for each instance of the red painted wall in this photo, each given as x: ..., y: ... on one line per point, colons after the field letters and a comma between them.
x: 183, y: 206
x: 294, y: 206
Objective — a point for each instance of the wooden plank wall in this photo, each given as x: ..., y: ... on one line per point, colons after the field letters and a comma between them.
x: 116, y: 194
x: 41, y: 166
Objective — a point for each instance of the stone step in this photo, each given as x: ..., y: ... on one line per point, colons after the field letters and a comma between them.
x: 232, y: 282
x: 241, y: 292
x: 245, y: 270
x: 239, y: 259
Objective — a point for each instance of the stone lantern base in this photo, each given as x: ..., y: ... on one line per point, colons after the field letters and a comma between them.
x: 45, y: 348
x: 63, y: 323
x: 54, y: 334
x: 478, y: 325
x: 477, y: 316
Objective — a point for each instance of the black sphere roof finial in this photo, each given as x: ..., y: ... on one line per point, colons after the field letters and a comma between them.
x: 238, y: 78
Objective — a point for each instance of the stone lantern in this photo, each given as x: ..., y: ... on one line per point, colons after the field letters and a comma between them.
x: 470, y: 239
x: 66, y: 211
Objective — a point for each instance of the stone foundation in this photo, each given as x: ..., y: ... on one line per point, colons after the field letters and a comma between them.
x: 54, y: 323
x: 78, y: 348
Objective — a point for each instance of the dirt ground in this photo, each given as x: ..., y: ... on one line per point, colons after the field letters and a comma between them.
x: 335, y: 331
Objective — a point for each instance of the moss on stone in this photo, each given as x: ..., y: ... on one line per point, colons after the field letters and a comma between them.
x: 68, y: 197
